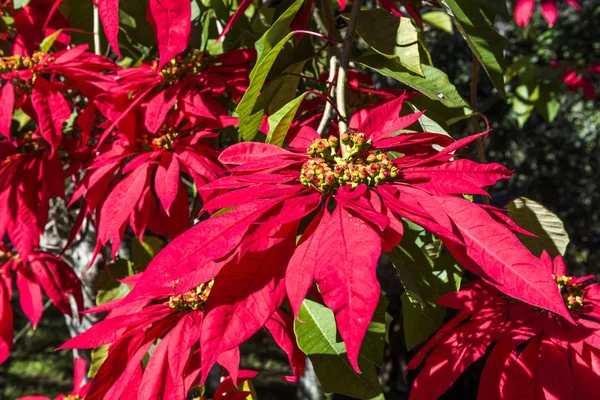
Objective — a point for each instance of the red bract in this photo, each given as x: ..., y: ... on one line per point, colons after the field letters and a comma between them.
x: 171, y: 20
x: 524, y: 10
x: 29, y: 178
x: 358, y: 193
x: 33, y: 273
x: 79, y: 391
x: 575, y: 80
x: 174, y: 365
x: 32, y: 83
x: 534, y: 353
x: 139, y: 183
x: 185, y: 87
x: 36, y: 21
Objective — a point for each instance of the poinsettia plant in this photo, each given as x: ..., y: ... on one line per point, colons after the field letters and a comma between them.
x: 273, y: 182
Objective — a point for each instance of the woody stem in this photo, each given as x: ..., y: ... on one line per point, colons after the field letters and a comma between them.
x: 96, y: 29
x: 343, y: 68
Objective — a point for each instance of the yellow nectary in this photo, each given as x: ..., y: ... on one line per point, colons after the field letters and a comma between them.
x: 572, y: 293
x: 357, y: 164
x: 193, y: 300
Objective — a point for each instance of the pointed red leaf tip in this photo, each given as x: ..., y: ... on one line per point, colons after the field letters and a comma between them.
x: 236, y: 15
x: 119, y: 204
x: 245, y: 152
x: 242, y: 300
x: 30, y: 295
x: 210, y: 240
x: 109, y: 15
x: 281, y: 327
x: 301, y: 268
x: 52, y: 111
x: 550, y: 11
x: 166, y: 180
x: 496, y: 250
x: 374, y: 125
x: 348, y: 253
x: 7, y: 94
x: 523, y: 11
x: 173, y: 24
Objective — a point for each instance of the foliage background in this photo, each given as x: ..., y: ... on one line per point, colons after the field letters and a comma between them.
x: 555, y: 164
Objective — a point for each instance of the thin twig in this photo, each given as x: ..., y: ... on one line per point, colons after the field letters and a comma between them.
x: 328, y: 106
x: 96, y: 30
x: 28, y: 325
x: 342, y: 70
x: 479, y: 142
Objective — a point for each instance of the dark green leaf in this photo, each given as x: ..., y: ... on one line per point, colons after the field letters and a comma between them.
x: 109, y: 288
x: 143, y: 252
x: 391, y: 37
x: 497, y: 6
x: 487, y: 44
x: 424, y: 281
x: 434, y: 85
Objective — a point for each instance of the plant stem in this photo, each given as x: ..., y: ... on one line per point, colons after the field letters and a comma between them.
x: 328, y: 106
x: 342, y: 70
x: 479, y: 142
x: 96, y: 30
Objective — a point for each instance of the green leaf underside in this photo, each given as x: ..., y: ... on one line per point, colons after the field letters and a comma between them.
x: 317, y: 337
x: 535, y: 218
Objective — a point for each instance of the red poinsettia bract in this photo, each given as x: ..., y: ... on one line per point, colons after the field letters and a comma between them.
x: 174, y: 365
x: 33, y: 84
x: 29, y: 178
x: 143, y: 178
x: 356, y: 189
x: 186, y: 86
x: 33, y: 273
x: 534, y: 353
x: 524, y: 10
x: 79, y: 391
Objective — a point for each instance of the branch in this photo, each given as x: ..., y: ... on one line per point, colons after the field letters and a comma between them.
x: 328, y: 106
x: 344, y: 61
x: 96, y: 30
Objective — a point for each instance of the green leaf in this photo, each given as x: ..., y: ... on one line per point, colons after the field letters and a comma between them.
x: 109, y: 288
x: 548, y: 103
x: 439, y: 20
x: 428, y: 124
x: 434, y: 85
x: 317, y: 337
x: 99, y: 354
x: 535, y: 218
x: 487, y: 44
x: 143, y: 252
x: 523, y: 102
x: 424, y: 281
x: 279, y: 123
x: 20, y: 3
x: 391, y: 37
x: 48, y: 41
x: 268, y: 48
x: 282, y: 89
